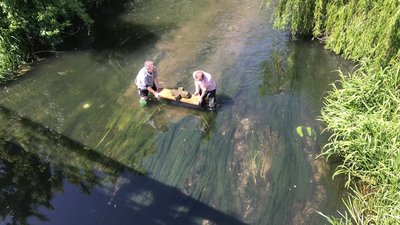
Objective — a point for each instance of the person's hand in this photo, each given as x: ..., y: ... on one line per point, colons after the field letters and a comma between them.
x: 196, y: 93
x: 156, y: 94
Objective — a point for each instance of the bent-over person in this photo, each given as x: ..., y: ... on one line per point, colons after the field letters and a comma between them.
x: 206, y: 88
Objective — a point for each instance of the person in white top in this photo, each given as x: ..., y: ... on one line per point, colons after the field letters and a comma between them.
x: 205, y: 87
x: 146, y: 81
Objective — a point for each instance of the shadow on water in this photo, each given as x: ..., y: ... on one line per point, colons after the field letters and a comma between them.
x: 36, y: 162
x: 111, y: 31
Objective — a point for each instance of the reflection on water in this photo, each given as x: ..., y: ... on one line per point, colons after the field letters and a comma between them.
x: 76, y: 147
x: 35, y: 163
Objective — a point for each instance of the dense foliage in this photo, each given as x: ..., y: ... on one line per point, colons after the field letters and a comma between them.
x: 27, y: 25
x: 354, y: 28
x: 362, y: 111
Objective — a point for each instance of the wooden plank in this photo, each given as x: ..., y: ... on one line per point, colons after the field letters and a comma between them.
x: 166, y: 93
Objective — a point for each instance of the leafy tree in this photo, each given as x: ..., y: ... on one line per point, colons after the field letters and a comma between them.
x: 357, y: 29
x: 26, y: 25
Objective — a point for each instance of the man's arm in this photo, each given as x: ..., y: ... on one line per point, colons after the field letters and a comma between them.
x: 150, y: 88
x: 197, y: 86
x: 157, y: 85
x: 203, y: 93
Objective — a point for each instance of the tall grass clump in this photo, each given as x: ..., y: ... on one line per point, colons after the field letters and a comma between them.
x: 13, y: 53
x: 363, y: 114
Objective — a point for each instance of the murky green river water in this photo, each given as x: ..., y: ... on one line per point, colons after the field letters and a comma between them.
x: 76, y: 147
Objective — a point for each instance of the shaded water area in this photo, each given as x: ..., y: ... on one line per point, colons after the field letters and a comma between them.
x: 76, y: 147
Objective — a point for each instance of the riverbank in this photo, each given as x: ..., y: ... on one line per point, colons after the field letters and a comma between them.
x: 362, y: 112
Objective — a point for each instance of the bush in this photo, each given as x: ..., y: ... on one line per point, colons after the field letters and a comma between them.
x: 27, y: 24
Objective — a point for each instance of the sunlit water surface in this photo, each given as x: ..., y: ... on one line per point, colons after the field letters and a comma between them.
x: 76, y: 147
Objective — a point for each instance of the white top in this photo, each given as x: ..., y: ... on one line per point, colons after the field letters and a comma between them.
x: 207, y: 84
x: 144, y: 79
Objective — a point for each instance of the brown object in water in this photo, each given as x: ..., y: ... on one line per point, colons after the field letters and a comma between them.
x: 180, y: 93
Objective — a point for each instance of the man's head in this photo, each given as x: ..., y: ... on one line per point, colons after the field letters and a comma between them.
x: 149, y: 66
x: 199, y: 76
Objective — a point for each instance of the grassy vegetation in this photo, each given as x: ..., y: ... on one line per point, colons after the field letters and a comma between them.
x: 363, y: 110
x: 11, y: 56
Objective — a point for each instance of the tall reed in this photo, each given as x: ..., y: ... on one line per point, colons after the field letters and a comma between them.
x: 13, y: 52
x: 363, y: 114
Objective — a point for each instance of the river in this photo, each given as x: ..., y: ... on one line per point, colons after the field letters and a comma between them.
x: 77, y: 148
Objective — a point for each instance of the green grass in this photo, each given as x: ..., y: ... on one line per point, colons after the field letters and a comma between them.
x: 363, y: 114
x: 12, y: 55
